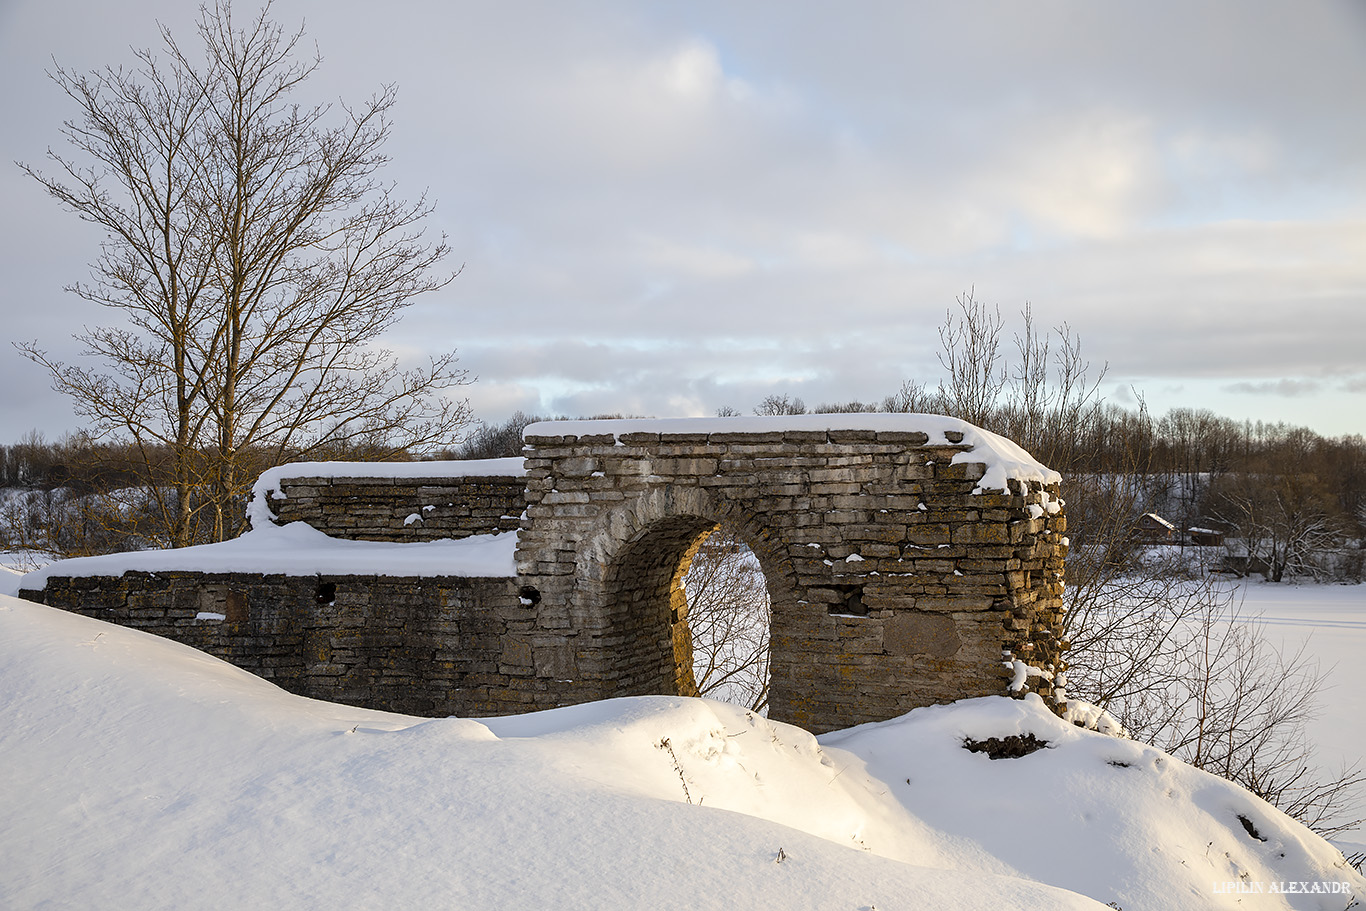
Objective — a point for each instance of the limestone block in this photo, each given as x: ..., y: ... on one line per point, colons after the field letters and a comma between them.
x: 694, y: 467
x: 909, y: 633
x: 928, y: 534
x: 983, y: 534
x: 852, y: 436
x: 953, y: 602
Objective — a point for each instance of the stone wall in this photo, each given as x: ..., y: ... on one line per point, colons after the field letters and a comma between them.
x: 401, y: 509
x: 897, y: 579
x: 422, y: 646
x: 893, y: 583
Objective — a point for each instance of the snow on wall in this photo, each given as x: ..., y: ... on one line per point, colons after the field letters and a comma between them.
x: 296, y: 549
x: 1004, y: 459
x: 269, y: 483
x: 299, y: 550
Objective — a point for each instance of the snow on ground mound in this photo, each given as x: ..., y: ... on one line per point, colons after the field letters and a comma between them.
x: 144, y: 772
x: 1003, y: 459
x: 9, y: 580
x: 1110, y: 818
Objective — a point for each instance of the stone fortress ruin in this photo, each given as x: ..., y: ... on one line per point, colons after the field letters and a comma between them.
x: 909, y: 559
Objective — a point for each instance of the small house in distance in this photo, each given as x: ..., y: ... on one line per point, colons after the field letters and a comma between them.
x: 1205, y: 537
x: 1153, y: 529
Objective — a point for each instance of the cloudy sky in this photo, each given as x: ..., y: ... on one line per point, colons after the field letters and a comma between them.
x: 668, y: 208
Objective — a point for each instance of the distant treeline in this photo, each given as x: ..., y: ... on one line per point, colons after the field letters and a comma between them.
x: 1188, y: 449
x: 75, y: 462
x: 1260, y: 482
x: 1185, y: 442
x: 82, y: 465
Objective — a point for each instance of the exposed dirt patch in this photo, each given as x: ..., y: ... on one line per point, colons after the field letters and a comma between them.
x: 1012, y: 746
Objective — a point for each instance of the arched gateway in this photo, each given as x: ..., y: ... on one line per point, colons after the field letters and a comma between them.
x: 905, y: 555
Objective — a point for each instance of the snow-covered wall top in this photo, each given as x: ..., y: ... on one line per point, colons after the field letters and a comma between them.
x: 298, y: 550
x: 295, y: 549
x: 271, y: 481
x: 444, y: 468
x: 1003, y: 459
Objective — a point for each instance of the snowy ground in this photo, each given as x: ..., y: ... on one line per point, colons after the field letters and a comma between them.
x: 140, y: 773
x: 1329, y: 621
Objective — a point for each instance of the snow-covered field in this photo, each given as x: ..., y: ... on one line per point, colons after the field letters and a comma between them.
x: 1329, y: 621
x: 140, y: 773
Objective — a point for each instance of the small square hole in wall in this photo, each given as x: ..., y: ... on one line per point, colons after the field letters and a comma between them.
x: 326, y: 593
x: 235, y: 603
x: 851, y: 603
x: 219, y: 602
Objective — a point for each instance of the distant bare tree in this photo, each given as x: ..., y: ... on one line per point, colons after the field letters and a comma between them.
x: 970, y: 352
x: 853, y: 406
x: 256, y: 258
x: 913, y: 398
x: 496, y: 441
x: 1284, y: 520
x: 780, y: 404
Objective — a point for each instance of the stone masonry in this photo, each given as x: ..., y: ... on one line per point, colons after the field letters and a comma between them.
x: 416, y: 645
x: 398, y: 509
x: 894, y: 582
x: 897, y: 578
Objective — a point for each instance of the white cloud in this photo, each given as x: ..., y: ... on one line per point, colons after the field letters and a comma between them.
x: 1287, y: 387
x: 693, y: 71
x: 1087, y: 174
x: 691, y: 260
x: 682, y: 206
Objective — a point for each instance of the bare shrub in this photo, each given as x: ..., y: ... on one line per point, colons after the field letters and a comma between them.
x: 1180, y: 666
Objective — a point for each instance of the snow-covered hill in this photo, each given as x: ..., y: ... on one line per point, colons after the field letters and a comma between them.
x: 139, y: 773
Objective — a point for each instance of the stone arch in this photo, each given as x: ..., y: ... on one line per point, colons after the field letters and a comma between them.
x: 911, y: 559
x: 637, y: 562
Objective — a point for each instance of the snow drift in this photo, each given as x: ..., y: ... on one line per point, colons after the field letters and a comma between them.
x: 142, y: 773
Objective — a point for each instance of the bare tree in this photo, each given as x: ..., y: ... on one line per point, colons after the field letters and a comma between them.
x: 1053, y: 400
x: 1284, y: 521
x: 970, y: 351
x: 729, y: 617
x: 256, y: 257
x: 1166, y: 654
x: 780, y: 404
x: 1175, y: 661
